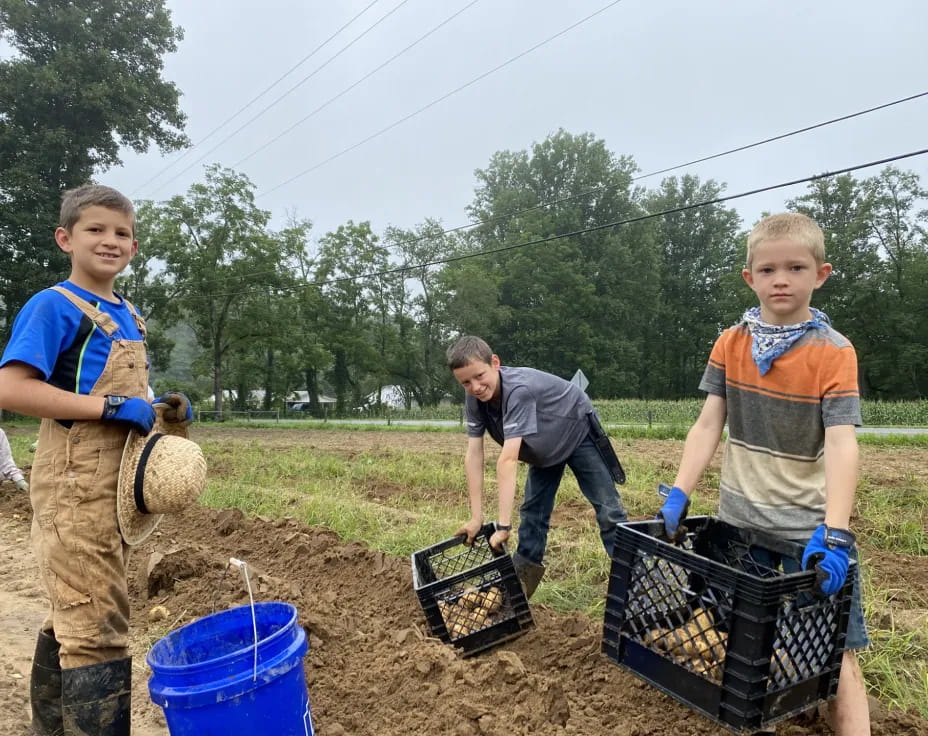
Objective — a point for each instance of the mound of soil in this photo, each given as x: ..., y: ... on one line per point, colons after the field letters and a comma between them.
x: 371, y: 668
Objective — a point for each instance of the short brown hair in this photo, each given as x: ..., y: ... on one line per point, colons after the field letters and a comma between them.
x: 466, y: 350
x: 799, y: 228
x: 75, y: 201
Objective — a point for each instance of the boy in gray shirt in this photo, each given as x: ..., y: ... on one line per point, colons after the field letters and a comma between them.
x: 547, y: 423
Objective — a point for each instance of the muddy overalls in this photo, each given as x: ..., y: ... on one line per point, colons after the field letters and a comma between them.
x: 81, y: 555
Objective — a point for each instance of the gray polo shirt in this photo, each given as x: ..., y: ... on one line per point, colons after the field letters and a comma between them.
x: 551, y: 415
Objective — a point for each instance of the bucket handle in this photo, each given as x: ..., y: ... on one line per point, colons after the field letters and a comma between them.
x: 243, y: 566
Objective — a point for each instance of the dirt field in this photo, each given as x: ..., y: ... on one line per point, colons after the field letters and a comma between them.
x: 371, y: 669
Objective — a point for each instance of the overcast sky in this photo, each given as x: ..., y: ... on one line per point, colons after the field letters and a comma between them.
x: 665, y: 81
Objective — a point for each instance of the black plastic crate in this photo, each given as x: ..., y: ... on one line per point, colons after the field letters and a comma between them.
x: 744, y: 644
x: 471, y: 595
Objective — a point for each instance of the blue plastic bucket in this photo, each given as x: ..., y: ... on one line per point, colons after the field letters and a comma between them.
x: 205, y: 677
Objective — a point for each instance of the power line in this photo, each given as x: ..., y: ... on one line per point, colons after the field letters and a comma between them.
x: 720, y: 154
x: 348, y: 89
x: 256, y: 97
x: 595, y: 228
x: 439, y: 99
x: 285, y: 94
x: 600, y: 188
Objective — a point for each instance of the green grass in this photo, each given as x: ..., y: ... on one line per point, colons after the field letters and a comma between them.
x: 895, y: 666
x: 400, y: 501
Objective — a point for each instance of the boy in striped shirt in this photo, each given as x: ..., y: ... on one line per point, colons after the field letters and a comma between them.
x: 786, y: 383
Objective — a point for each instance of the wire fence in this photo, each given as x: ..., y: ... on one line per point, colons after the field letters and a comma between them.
x: 247, y: 415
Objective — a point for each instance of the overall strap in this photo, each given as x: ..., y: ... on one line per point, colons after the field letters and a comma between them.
x: 100, y: 318
x: 139, y: 321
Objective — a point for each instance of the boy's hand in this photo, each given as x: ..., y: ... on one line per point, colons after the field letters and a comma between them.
x: 828, y: 559
x: 178, y: 408
x: 674, y: 511
x: 469, y: 531
x: 137, y: 413
x: 497, y: 539
x: 22, y: 485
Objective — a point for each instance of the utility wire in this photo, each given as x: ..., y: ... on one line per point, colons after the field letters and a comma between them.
x: 439, y: 99
x: 603, y: 187
x: 595, y: 228
x: 285, y: 94
x: 254, y: 99
x: 367, y: 76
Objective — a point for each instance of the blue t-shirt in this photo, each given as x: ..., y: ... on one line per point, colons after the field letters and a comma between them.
x: 68, y: 349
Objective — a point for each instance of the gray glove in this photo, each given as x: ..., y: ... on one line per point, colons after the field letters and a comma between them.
x: 22, y: 485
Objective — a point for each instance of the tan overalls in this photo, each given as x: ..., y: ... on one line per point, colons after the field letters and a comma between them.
x: 81, y: 555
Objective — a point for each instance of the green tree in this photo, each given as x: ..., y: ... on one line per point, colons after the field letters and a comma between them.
x: 842, y: 209
x: 354, y: 304
x: 897, y: 345
x: 421, y: 339
x: 86, y: 79
x: 222, y: 264
x: 699, y: 252
x: 575, y: 302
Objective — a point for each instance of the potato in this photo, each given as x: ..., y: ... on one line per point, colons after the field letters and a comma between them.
x: 493, y: 599
x: 471, y: 598
x: 716, y: 644
x: 458, y: 628
x: 478, y: 618
x: 701, y: 620
x: 694, y: 648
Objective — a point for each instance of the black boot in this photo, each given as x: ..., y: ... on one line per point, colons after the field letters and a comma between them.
x: 530, y: 573
x: 45, y: 687
x: 97, y: 699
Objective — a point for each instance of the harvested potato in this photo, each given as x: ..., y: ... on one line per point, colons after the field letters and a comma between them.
x: 694, y: 648
x: 458, y: 629
x: 656, y: 637
x: 702, y: 620
x: 479, y: 618
x: 493, y: 599
x: 471, y: 598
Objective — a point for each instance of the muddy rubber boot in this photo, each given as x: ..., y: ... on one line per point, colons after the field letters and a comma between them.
x: 97, y: 699
x: 45, y: 687
x: 530, y: 573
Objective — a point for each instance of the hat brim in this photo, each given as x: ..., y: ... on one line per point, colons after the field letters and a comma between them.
x: 134, y: 526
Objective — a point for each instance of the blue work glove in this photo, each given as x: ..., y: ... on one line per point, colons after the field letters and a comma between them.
x: 178, y: 408
x: 827, y: 561
x: 674, y: 511
x: 137, y: 413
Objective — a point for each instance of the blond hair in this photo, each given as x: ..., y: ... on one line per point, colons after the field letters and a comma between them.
x: 75, y: 201
x: 801, y: 229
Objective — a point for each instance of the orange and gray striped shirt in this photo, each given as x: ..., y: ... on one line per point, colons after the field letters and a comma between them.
x: 773, y: 470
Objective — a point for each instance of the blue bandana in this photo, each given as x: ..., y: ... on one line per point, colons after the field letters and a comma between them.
x: 769, y: 342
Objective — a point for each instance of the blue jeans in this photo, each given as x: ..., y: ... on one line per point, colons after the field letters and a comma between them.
x: 857, y: 637
x: 596, y: 484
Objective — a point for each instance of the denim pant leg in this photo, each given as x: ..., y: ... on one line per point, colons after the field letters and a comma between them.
x: 597, y: 485
x: 535, y: 512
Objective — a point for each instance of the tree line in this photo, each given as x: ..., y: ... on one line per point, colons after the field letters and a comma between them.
x: 636, y: 306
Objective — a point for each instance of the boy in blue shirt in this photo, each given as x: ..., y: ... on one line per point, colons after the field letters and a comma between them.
x: 77, y: 359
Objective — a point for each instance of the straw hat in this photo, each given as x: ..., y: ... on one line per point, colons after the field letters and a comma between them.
x: 159, y: 474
